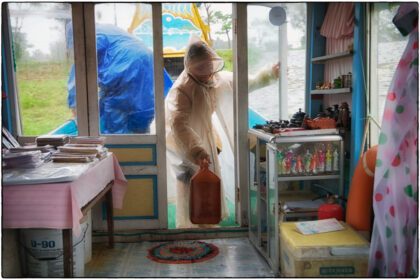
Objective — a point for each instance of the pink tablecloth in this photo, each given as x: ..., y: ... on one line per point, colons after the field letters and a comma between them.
x: 58, y: 205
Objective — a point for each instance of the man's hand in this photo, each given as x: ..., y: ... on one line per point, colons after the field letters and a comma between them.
x: 275, y: 69
x: 203, y: 155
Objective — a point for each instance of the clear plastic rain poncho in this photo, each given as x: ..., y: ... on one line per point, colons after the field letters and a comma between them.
x: 189, y: 107
x: 394, y: 244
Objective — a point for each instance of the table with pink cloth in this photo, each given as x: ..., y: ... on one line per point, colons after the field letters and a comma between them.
x: 52, y: 203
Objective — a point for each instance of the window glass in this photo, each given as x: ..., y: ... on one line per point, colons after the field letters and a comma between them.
x: 387, y: 46
x: 42, y: 65
x: 268, y: 44
x: 124, y: 42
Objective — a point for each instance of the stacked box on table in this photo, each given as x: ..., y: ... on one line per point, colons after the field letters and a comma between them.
x: 341, y: 253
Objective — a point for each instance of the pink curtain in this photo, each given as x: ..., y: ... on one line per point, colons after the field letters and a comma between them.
x: 394, y: 244
x: 338, y: 29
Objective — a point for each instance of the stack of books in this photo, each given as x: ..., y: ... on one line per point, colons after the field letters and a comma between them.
x: 88, y: 150
x: 53, y: 140
x: 29, y: 148
x: 99, y: 140
x: 31, y: 159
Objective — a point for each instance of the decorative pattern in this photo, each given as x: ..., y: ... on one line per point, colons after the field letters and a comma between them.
x: 182, y: 252
x: 394, y: 244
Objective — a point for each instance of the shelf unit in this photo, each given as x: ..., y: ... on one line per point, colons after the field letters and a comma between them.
x: 321, y: 99
x: 266, y: 183
x: 305, y: 178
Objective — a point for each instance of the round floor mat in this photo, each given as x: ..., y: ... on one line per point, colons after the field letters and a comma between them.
x: 183, y: 252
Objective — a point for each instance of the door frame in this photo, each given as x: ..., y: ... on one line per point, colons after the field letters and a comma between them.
x: 88, y: 113
x: 240, y: 110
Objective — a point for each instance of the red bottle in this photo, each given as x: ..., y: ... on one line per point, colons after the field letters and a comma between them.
x: 205, y: 201
x: 331, y: 210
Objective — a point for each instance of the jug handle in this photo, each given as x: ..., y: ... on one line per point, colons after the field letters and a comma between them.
x: 204, y: 164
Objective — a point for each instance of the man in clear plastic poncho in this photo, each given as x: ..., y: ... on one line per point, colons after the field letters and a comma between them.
x: 199, y: 91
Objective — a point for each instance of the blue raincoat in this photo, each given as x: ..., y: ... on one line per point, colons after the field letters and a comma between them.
x: 125, y: 79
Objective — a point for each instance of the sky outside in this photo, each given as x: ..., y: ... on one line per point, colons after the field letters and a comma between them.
x: 41, y: 30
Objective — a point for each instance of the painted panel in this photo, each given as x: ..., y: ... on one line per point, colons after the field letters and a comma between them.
x: 141, y: 154
x: 317, y: 48
x: 140, y: 201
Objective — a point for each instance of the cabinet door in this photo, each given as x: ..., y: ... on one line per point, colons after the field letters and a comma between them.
x: 272, y: 210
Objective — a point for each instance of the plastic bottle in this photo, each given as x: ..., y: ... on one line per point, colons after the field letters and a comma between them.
x: 314, y: 162
x: 279, y: 163
x: 299, y: 165
x: 336, y: 156
x: 308, y: 159
x: 294, y: 164
x: 289, y: 158
x: 205, y: 201
x: 328, y: 161
x: 284, y: 166
x: 321, y: 161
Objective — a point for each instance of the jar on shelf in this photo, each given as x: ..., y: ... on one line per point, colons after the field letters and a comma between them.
x: 346, y: 80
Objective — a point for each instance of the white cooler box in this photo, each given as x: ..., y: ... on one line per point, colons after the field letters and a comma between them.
x: 342, y: 253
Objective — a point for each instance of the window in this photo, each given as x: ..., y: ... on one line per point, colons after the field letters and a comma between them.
x: 124, y: 42
x: 42, y: 64
x: 387, y: 46
x: 268, y: 44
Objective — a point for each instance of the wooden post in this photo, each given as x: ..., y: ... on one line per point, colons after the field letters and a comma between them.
x: 109, y: 217
x: 68, y: 252
x: 240, y: 85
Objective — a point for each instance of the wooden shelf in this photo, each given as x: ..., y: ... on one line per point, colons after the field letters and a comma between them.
x: 323, y: 59
x: 331, y: 91
x: 309, y: 177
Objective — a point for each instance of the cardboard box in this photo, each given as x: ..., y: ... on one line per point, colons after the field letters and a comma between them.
x: 333, y: 254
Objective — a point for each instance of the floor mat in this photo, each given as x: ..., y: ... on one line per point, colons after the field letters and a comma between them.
x: 182, y: 252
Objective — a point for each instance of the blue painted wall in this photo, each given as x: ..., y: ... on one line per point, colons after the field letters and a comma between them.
x: 317, y: 48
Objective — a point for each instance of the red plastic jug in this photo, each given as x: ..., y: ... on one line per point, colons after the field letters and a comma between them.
x: 205, y: 203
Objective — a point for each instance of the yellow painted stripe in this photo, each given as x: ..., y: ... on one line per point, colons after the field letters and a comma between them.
x: 133, y: 154
x: 138, y: 200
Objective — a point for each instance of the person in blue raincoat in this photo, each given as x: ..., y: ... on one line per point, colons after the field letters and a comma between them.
x: 125, y: 79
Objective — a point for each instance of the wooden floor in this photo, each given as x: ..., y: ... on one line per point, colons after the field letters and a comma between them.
x: 236, y: 258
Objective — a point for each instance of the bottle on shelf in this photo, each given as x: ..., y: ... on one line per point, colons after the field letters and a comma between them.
x: 328, y: 160
x: 294, y: 166
x: 308, y: 159
x: 280, y: 163
x: 289, y: 158
x: 299, y: 165
x: 336, y: 156
x: 314, y: 162
x: 321, y: 161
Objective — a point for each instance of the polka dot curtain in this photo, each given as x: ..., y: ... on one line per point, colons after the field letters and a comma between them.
x: 394, y: 244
